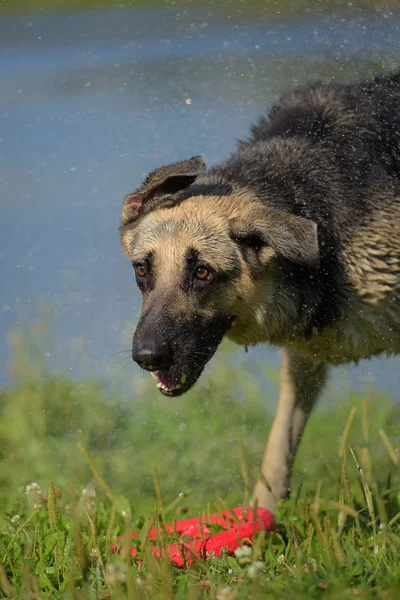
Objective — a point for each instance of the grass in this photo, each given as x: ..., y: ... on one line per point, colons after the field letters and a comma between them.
x: 80, y: 465
x: 234, y: 8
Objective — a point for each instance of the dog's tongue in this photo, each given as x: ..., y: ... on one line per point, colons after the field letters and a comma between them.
x: 164, y: 378
x: 170, y: 381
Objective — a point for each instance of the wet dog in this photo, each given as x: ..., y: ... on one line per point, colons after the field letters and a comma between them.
x: 294, y: 240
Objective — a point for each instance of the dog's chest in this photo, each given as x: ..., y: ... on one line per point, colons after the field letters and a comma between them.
x: 360, y: 334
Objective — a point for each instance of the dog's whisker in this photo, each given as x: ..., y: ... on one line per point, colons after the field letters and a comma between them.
x: 121, y: 352
x: 119, y: 368
x: 124, y: 360
x: 115, y: 371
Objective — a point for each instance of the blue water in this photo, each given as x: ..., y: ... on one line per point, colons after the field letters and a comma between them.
x: 89, y: 103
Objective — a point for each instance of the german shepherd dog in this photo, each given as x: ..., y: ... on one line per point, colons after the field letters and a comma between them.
x: 294, y: 240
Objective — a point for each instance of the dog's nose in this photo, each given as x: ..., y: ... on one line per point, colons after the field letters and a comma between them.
x: 153, y: 356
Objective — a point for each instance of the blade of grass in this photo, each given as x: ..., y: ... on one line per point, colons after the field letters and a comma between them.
x: 368, y: 497
x: 346, y: 431
x: 365, y: 425
x: 390, y: 450
x: 244, y: 472
x: 106, y: 489
x: 5, y: 585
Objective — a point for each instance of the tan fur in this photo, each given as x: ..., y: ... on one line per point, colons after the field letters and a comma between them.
x: 201, y: 222
x: 370, y: 323
x: 372, y: 260
x: 301, y: 381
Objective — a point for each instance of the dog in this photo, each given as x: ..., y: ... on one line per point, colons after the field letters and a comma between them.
x: 294, y: 240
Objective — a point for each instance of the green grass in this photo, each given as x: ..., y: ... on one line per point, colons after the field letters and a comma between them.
x: 233, y: 8
x: 147, y: 457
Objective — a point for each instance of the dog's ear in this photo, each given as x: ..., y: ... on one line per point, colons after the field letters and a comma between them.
x: 295, y: 238
x: 162, y: 181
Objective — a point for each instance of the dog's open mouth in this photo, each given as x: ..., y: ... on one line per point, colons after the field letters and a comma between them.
x: 173, y: 383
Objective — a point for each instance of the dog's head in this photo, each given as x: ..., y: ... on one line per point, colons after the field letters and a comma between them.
x: 204, y: 255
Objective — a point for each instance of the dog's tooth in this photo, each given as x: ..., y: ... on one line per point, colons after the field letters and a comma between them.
x: 162, y: 386
x: 183, y: 380
x: 153, y: 374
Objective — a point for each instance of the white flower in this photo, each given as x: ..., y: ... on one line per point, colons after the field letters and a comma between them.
x: 34, y: 494
x: 32, y: 487
x: 37, y: 506
x: 15, y: 518
x: 281, y: 559
x: 254, y: 568
x: 116, y: 573
x: 243, y: 551
x: 88, y: 500
x: 226, y: 593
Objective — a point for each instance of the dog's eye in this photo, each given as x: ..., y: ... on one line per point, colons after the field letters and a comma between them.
x: 140, y: 270
x: 202, y: 273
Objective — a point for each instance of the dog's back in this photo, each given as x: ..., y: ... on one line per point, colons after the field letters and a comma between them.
x: 365, y: 115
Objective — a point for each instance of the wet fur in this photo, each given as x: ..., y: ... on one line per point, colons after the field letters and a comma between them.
x: 304, y: 221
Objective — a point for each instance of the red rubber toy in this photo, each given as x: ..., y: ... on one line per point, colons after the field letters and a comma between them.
x: 201, y: 545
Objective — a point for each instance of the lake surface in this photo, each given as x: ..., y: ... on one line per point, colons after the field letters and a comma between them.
x: 89, y: 104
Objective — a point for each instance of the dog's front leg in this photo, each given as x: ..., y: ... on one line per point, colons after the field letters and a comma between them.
x: 301, y: 382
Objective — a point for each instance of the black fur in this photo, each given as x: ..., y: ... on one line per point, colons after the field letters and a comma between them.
x: 317, y: 142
